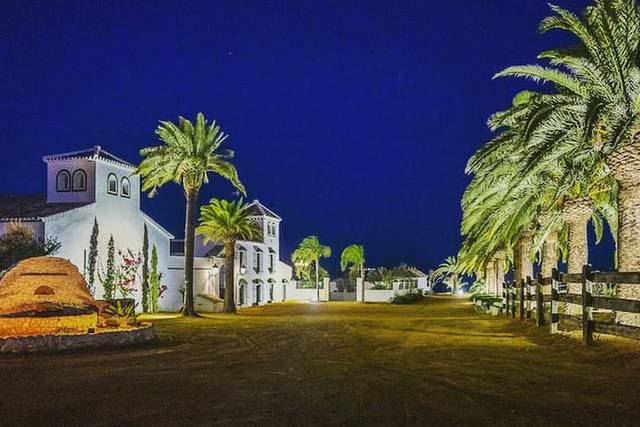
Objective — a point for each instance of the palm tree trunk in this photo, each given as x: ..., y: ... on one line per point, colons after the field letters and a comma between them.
x: 523, y: 267
x: 549, y: 254
x: 318, y: 280
x: 577, y: 213
x: 628, y: 227
x: 229, y: 279
x: 625, y: 164
x: 499, y: 272
x: 189, y: 230
x: 490, y: 277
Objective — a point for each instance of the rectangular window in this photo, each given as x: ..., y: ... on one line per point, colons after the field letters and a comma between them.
x: 241, y: 259
x: 271, y: 262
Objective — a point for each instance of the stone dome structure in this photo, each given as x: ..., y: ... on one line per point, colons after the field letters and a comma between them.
x: 45, y: 295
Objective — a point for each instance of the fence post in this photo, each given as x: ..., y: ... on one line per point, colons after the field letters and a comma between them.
x: 504, y: 299
x: 539, y: 302
x: 587, y: 307
x: 505, y: 291
x: 513, y: 299
x: 555, y: 318
x: 522, y: 299
x: 528, y: 295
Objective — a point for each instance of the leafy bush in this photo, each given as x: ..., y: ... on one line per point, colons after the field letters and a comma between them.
x: 478, y: 287
x: 411, y: 297
x: 20, y: 242
x: 123, y: 311
x: 483, y: 303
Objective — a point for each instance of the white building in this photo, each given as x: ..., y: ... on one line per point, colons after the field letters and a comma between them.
x: 89, y: 185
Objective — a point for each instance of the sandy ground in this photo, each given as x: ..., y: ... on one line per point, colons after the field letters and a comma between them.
x: 349, y: 364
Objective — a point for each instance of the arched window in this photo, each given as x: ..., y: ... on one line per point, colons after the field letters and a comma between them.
x: 79, y: 181
x: 112, y: 184
x: 63, y: 181
x: 125, y: 187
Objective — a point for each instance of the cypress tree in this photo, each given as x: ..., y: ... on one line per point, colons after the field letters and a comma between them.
x: 93, y: 256
x: 145, y: 270
x: 109, y: 282
x: 154, y: 281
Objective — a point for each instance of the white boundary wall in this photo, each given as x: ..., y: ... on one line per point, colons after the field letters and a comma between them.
x: 377, y: 295
x: 307, y: 294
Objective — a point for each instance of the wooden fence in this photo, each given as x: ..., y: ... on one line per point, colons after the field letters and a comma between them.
x: 527, y: 300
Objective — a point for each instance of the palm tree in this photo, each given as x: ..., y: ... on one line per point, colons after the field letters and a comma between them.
x: 449, y: 272
x: 309, y: 252
x: 188, y: 152
x: 227, y: 222
x: 595, y: 114
x: 352, y: 258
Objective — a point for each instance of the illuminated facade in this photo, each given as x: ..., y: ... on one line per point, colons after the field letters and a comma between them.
x: 89, y: 185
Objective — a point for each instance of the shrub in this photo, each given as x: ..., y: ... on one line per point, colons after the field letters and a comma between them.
x: 483, y: 303
x: 20, y: 242
x: 411, y: 297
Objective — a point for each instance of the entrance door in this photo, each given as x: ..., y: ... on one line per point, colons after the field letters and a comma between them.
x: 258, y: 294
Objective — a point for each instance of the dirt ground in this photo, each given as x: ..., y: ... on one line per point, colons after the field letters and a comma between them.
x: 435, y: 363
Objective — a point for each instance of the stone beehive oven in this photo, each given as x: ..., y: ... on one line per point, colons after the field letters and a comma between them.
x: 45, y: 295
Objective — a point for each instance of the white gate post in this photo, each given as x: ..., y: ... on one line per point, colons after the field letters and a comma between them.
x: 359, y: 285
x: 324, y: 292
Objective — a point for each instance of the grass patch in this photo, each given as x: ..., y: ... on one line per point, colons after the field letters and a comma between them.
x: 434, y: 362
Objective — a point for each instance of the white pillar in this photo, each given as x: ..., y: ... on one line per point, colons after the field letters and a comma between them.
x: 359, y: 285
x: 324, y: 292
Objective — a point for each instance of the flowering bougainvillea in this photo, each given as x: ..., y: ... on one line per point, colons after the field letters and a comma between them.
x: 127, y: 272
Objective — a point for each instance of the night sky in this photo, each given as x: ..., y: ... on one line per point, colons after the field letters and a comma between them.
x: 353, y: 120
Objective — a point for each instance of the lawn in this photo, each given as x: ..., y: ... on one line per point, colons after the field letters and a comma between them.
x: 435, y: 363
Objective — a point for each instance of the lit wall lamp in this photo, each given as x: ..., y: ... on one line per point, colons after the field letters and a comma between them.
x: 243, y: 270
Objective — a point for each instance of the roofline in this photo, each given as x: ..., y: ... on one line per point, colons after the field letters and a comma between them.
x: 95, y: 156
x: 151, y: 221
x: 42, y: 218
x: 269, y: 212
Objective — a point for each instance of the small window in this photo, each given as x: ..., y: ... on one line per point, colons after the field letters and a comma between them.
x: 271, y: 262
x: 63, y: 181
x: 79, y: 181
x: 125, y: 187
x: 112, y: 184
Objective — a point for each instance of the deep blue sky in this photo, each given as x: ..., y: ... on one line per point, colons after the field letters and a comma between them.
x: 351, y: 119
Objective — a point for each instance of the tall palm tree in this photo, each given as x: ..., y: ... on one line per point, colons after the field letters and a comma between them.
x: 352, y: 258
x: 187, y: 154
x: 227, y: 222
x: 595, y: 112
x: 449, y: 273
x: 309, y: 252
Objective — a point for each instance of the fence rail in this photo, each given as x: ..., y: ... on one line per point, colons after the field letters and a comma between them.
x: 528, y: 299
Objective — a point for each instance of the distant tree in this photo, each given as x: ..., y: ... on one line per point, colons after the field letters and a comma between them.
x: 309, y: 252
x: 154, y: 282
x: 189, y: 152
x: 449, y: 273
x: 93, y: 257
x: 108, y: 278
x: 227, y: 222
x: 145, y: 270
x: 20, y: 242
x: 352, y: 258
